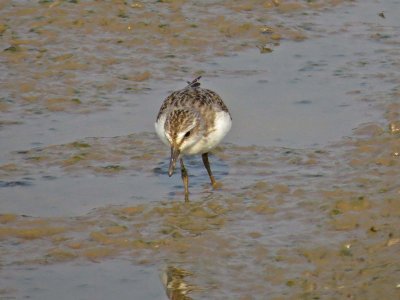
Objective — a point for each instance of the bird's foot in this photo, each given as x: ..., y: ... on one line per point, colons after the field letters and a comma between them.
x: 216, y: 184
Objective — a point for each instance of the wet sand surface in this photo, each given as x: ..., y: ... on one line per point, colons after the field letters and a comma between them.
x: 308, y: 206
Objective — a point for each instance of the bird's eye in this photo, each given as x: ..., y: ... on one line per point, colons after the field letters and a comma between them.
x: 187, y: 134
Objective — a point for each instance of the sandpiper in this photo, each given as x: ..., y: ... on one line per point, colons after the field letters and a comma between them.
x: 192, y: 121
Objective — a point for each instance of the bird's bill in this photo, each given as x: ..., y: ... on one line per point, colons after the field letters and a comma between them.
x: 174, y: 157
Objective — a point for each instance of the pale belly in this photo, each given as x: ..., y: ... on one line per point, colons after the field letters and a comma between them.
x: 223, y: 124
x: 159, y: 126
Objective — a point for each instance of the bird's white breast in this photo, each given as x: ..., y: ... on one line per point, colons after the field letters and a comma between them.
x: 222, y: 125
x: 159, y: 125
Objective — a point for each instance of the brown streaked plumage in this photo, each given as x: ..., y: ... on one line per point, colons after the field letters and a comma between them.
x: 192, y: 121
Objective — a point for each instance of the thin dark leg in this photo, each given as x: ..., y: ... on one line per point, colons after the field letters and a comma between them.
x: 185, y: 180
x: 204, y: 156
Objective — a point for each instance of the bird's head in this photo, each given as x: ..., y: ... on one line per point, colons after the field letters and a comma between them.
x: 183, y: 129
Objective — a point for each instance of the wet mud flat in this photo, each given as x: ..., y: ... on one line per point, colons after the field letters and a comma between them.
x: 321, y: 225
x: 95, y: 214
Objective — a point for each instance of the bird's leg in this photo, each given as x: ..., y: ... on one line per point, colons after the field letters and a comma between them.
x: 185, y: 180
x: 204, y: 156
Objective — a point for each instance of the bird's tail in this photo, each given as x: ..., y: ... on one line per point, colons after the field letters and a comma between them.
x: 194, y: 83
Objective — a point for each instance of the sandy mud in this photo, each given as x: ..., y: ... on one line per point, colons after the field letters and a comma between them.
x: 308, y: 204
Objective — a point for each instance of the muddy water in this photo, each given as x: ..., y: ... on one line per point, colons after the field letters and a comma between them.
x: 308, y: 205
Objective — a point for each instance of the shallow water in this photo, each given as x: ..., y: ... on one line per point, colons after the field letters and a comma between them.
x: 84, y: 280
x: 309, y: 185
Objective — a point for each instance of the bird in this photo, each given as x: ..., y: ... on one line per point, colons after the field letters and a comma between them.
x: 192, y: 121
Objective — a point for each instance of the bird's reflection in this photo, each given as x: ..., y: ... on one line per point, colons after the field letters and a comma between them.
x: 175, y: 284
